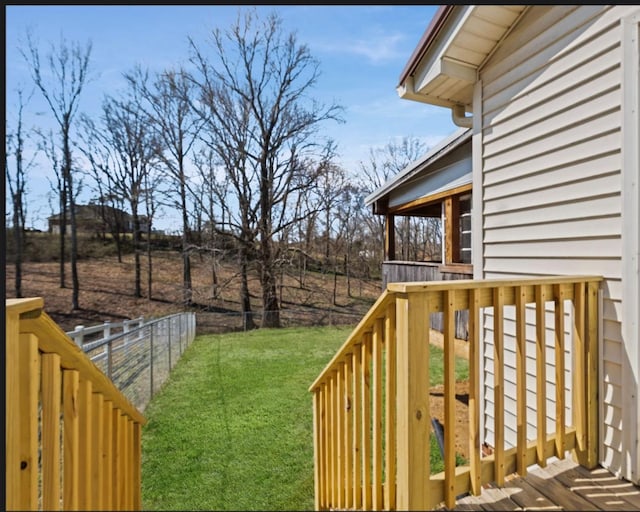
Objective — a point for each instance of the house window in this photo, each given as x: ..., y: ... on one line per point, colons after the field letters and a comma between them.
x: 465, y: 228
x: 456, y: 222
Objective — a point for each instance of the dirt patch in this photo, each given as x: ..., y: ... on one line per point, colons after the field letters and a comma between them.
x: 436, y: 402
x: 107, y: 293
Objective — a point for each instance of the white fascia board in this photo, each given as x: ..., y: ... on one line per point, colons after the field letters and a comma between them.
x: 433, y: 64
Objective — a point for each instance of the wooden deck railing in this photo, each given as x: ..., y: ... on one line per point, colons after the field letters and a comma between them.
x: 371, y: 402
x: 73, y: 441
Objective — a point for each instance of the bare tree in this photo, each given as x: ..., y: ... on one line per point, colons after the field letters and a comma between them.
x: 17, y: 180
x: 167, y: 102
x: 68, y: 66
x: 263, y: 77
x: 131, y: 138
x: 98, y: 151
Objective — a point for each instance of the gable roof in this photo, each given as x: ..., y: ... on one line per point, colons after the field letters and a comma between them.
x: 443, y: 68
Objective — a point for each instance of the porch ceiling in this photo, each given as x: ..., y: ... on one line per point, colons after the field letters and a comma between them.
x: 443, y: 68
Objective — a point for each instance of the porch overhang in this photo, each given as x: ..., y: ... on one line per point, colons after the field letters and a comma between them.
x: 443, y: 68
x: 444, y: 171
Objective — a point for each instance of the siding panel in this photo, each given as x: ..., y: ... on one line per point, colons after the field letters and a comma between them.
x: 551, y: 168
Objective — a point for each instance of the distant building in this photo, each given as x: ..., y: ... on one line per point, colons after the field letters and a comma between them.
x: 95, y: 219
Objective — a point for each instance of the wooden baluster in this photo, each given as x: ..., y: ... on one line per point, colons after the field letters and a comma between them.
x: 558, y: 292
x: 71, y: 384
x: 130, y: 464
x: 117, y: 455
x: 357, y: 426
x: 51, y: 399
x: 366, y: 421
x: 316, y: 449
x: 498, y: 390
x: 332, y: 441
x: 137, y: 466
x: 85, y: 412
x: 107, y: 455
x: 123, y: 462
x: 521, y: 380
x: 390, y: 411
x: 579, y: 374
x: 348, y: 434
x: 591, y: 343
x: 474, y: 392
x: 12, y: 412
x: 449, y: 399
x: 413, y: 426
x: 322, y: 460
x: 340, y: 434
x: 97, y: 439
x: 29, y: 388
x: 378, y: 331
x: 541, y: 376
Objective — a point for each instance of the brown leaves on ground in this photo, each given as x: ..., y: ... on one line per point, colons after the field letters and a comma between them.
x: 107, y: 290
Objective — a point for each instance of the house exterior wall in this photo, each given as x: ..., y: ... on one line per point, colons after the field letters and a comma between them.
x: 548, y: 176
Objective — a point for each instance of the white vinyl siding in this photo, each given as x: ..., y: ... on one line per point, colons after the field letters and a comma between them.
x: 551, y: 185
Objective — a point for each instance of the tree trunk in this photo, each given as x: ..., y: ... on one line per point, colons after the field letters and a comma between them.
x: 271, y: 313
x: 68, y: 176
x: 186, y: 275
x: 149, y: 261
x: 245, y: 297
x: 136, y: 253
x: 63, y: 234
x: 186, y: 261
x: 18, y: 237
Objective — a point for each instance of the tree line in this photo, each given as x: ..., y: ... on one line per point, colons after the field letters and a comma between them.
x: 235, y: 145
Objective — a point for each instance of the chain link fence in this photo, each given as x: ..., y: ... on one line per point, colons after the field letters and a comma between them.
x: 139, y: 360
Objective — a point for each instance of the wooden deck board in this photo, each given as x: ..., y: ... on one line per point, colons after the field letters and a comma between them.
x: 528, y: 496
x: 558, y: 493
x: 562, y: 485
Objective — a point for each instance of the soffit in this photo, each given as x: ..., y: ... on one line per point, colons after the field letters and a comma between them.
x: 445, y: 71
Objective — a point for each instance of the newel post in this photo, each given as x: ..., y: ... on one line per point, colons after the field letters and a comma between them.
x: 413, y: 424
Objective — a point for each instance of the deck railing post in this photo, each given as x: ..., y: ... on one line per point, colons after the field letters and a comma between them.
x: 591, y: 342
x: 413, y: 425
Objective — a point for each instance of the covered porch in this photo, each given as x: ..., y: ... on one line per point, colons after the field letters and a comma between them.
x: 437, y: 187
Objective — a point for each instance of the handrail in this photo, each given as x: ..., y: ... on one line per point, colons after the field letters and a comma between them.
x: 53, y: 389
x: 114, y: 337
x: 80, y: 331
x: 375, y: 388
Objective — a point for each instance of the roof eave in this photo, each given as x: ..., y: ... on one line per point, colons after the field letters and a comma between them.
x: 427, y: 38
x: 443, y: 148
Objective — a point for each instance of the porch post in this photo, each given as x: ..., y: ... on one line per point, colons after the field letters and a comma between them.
x: 413, y: 425
x: 451, y: 230
x: 389, y: 238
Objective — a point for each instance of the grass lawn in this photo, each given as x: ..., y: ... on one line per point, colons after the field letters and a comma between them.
x: 232, y: 428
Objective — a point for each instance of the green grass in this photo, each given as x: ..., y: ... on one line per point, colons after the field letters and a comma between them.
x: 232, y: 428
x: 436, y: 367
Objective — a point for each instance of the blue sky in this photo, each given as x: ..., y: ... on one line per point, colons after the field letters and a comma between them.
x: 361, y: 50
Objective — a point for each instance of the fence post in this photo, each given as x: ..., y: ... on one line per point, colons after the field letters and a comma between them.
x: 151, y: 360
x: 180, y: 332
x: 125, y: 329
x: 78, y: 335
x: 106, y: 330
x: 109, y: 359
x: 169, y: 338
